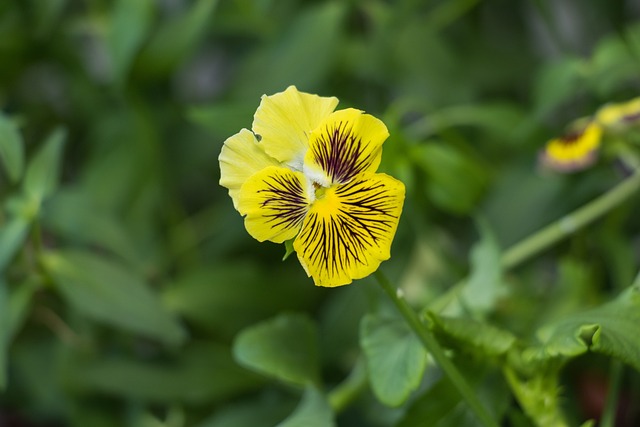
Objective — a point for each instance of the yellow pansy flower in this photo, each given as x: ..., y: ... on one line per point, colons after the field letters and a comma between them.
x: 307, y: 172
x: 573, y: 151
x: 619, y: 115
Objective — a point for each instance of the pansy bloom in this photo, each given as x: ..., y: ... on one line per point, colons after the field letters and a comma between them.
x: 619, y: 116
x: 308, y: 173
x: 575, y: 150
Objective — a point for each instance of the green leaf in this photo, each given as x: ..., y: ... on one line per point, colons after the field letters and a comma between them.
x: 455, y: 180
x: 484, y: 286
x: 14, y: 307
x: 395, y: 357
x: 313, y: 411
x: 203, y: 373
x: 288, y: 249
x: 284, y: 348
x: 472, y: 336
x: 250, y: 413
x: 130, y: 21
x: 611, y: 329
x: 177, y: 39
x: 42, y: 175
x: 11, y: 148
x: 12, y: 236
x: 106, y: 291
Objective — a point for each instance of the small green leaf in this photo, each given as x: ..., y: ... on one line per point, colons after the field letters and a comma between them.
x: 130, y: 21
x: 42, y: 175
x: 106, y: 291
x: 284, y: 347
x: 473, y: 336
x: 288, y: 249
x: 485, y: 285
x: 313, y: 411
x: 11, y: 148
x: 395, y: 357
x: 12, y: 237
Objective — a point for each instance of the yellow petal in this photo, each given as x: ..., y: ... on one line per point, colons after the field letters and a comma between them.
x: 240, y: 158
x: 619, y: 114
x: 349, y: 229
x: 346, y: 143
x: 284, y: 121
x: 275, y: 201
x: 574, y: 151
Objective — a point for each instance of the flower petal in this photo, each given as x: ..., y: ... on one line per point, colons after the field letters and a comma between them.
x: 284, y: 121
x: 346, y: 143
x: 241, y: 157
x: 575, y: 151
x: 275, y: 201
x: 349, y: 229
x: 619, y: 115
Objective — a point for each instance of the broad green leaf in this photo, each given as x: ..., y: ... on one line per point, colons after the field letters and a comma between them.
x: 611, y: 329
x: 42, y: 175
x: 472, y: 336
x: 313, y: 411
x: 11, y: 148
x: 130, y: 21
x: 484, y: 286
x: 455, y: 180
x: 285, y: 348
x: 107, y: 291
x: 614, y: 62
x: 203, y: 373
x: 177, y: 39
x: 256, y: 412
x: 14, y: 307
x: 395, y: 357
x: 442, y: 406
x: 12, y: 236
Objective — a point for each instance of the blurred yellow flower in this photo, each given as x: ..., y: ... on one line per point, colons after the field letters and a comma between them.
x: 308, y: 173
x: 574, y: 151
x: 619, y: 115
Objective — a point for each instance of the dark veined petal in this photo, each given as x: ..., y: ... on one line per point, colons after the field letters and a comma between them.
x: 275, y: 201
x: 347, y: 143
x: 349, y: 228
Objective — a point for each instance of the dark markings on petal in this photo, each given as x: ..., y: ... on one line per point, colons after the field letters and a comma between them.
x: 285, y: 201
x: 340, y: 153
x: 364, y: 221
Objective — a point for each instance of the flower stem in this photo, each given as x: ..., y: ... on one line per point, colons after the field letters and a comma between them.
x: 349, y: 389
x: 611, y: 406
x: 433, y: 347
x: 572, y: 222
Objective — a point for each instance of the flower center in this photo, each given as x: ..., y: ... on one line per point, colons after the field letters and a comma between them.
x: 326, y: 199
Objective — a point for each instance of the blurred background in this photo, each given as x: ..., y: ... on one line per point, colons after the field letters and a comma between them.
x: 126, y: 272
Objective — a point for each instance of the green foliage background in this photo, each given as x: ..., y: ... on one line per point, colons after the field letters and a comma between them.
x: 131, y: 295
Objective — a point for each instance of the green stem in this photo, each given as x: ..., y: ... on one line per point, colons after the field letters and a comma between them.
x: 345, y: 392
x: 572, y: 222
x: 609, y: 414
x: 433, y: 347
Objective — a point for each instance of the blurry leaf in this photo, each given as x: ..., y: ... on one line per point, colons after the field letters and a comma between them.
x: 130, y: 21
x: 614, y: 63
x: 45, y: 14
x: 284, y: 347
x: 12, y: 236
x: 441, y: 405
x: 556, y: 83
x: 42, y: 175
x: 313, y: 411
x: 223, y: 119
x: 106, y: 291
x: 484, y: 286
x: 455, y: 181
x: 203, y: 373
x: 223, y: 297
x: 257, y: 412
x: 472, y: 336
x: 302, y: 56
x: 177, y: 39
x: 611, y: 329
x: 11, y: 148
x: 14, y: 307
x: 395, y: 357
